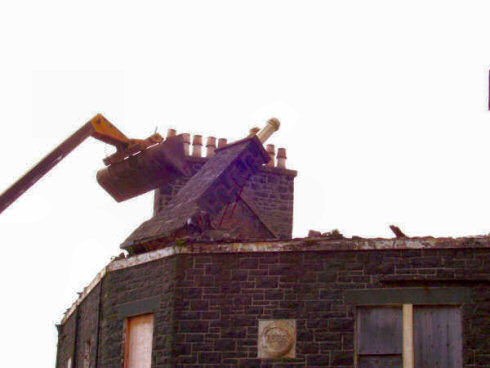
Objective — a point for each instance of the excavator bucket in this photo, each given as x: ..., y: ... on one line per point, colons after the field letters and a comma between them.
x: 145, y: 171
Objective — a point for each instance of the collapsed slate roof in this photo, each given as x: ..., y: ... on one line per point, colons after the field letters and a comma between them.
x: 204, y: 198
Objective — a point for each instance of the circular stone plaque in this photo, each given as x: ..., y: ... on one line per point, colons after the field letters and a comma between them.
x: 276, y: 340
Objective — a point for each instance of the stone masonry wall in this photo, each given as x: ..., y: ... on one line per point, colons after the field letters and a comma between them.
x: 66, y: 341
x: 270, y: 192
x: 88, y: 319
x: 222, y: 297
x: 129, y: 286
x: 85, y: 322
x: 210, y: 304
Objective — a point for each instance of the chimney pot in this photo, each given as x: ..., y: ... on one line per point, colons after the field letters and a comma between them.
x: 210, y: 146
x: 271, y: 150
x: 197, y: 145
x: 171, y: 133
x: 272, y: 126
x: 253, y: 131
x: 187, y: 143
x: 197, y: 139
x: 222, y: 142
x: 281, y: 158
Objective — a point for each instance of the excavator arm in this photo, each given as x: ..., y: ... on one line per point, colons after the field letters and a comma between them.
x: 98, y: 127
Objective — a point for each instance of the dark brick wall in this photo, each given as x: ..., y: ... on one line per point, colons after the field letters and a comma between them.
x: 270, y: 191
x: 211, y: 303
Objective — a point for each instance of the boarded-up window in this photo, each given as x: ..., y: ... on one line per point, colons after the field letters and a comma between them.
x: 139, y: 340
x: 438, y: 337
x: 379, y: 337
x: 86, y: 354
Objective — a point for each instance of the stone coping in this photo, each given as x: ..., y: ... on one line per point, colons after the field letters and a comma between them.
x: 294, y: 245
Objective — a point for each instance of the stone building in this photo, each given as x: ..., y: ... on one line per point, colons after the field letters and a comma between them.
x: 214, y: 279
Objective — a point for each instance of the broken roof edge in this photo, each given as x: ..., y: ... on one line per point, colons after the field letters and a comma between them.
x: 271, y: 169
x: 250, y: 138
x: 293, y: 245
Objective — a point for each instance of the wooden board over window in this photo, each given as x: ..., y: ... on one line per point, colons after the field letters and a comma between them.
x: 379, y: 337
x: 438, y: 337
x: 139, y: 341
x: 379, y: 330
x: 379, y: 361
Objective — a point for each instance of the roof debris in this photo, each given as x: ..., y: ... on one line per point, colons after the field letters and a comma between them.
x: 398, y: 233
x: 200, y: 208
x: 334, y: 234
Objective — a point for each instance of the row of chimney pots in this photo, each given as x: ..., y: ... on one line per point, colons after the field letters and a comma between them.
x: 211, y: 146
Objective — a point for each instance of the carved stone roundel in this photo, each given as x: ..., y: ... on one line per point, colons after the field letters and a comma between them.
x: 276, y: 340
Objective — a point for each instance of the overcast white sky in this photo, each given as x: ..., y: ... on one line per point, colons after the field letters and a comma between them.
x: 383, y: 107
